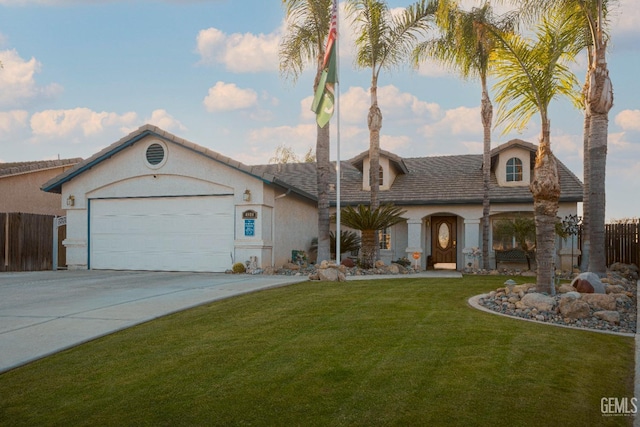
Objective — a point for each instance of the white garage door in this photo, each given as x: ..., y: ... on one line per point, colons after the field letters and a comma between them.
x: 162, y: 233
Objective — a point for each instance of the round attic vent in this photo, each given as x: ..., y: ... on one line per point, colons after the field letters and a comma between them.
x: 155, y: 154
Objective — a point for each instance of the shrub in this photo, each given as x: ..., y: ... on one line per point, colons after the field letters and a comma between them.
x: 238, y: 268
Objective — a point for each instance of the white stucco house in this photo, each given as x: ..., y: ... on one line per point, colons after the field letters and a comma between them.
x: 153, y: 201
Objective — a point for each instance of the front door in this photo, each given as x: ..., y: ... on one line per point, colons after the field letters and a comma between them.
x: 443, y: 240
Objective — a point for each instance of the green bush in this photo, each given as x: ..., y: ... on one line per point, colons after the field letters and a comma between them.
x: 238, y: 268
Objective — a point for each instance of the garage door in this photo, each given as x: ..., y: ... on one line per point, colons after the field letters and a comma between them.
x: 162, y: 233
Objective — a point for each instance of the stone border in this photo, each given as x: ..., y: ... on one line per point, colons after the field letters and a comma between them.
x: 473, y: 302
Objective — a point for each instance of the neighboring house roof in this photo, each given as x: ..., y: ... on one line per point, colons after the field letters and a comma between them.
x: 422, y: 181
x: 55, y: 184
x: 20, y: 168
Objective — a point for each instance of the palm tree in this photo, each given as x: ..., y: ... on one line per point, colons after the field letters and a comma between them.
x: 303, y: 44
x: 531, y: 73
x: 384, y: 41
x: 368, y: 221
x: 598, y: 101
x: 466, y: 45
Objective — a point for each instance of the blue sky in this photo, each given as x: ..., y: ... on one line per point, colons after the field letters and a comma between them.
x: 79, y: 75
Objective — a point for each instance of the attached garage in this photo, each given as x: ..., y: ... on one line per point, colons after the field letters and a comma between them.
x: 189, y: 233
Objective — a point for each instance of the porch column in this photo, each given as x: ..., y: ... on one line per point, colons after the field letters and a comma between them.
x: 415, y: 241
x: 472, y: 252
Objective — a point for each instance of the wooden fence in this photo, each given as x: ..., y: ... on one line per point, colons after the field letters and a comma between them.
x: 622, y: 243
x: 26, y: 242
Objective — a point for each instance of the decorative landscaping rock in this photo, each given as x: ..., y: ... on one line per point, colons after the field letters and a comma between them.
x: 588, y: 283
x: 600, y: 301
x: 613, y: 317
x: 538, y: 301
x: 573, y: 308
x: 565, y: 287
x: 330, y: 274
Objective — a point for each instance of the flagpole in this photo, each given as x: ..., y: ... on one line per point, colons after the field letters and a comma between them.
x: 338, y: 235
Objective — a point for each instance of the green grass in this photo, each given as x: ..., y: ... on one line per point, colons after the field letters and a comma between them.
x: 385, y: 352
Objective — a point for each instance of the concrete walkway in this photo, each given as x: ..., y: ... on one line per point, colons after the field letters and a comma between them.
x: 42, y: 313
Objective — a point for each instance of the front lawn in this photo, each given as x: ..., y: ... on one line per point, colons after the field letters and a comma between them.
x: 382, y: 352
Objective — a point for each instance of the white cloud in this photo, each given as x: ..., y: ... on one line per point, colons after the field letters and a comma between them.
x: 166, y: 121
x: 17, y: 81
x: 12, y: 120
x: 628, y: 120
x: 459, y: 121
x: 227, y: 97
x: 77, y: 122
x: 240, y: 53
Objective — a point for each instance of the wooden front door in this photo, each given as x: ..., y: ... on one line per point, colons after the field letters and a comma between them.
x: 443, y: 239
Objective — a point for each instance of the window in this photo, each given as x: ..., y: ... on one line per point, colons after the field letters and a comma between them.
x: 380, y: 177
x: 384, y: 238
x: 514, y: 233
x: 514, y: 169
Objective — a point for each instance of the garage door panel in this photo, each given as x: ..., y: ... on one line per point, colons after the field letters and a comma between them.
x: 170, y: 233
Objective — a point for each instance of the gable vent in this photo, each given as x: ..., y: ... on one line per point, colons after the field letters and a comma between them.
x: 155, y: 154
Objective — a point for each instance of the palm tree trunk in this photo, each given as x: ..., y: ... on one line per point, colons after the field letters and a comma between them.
x: 487, y: 117
x: 584, y: 262
x: 368, y: 247
x: 599, y: 103
x: 545, y: 188
x: 375, y: 124
x: 323, y: 166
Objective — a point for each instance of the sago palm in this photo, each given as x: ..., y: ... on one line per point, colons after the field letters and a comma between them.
x: 531, y: 73
x: 368, y: 221
x: 303, y: 45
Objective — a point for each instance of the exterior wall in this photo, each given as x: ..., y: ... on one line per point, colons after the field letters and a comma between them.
x: 127, y: 174
x: 388, y: 174
x: 501, y: 167
x: 295, y: 225
x: 21, y: 193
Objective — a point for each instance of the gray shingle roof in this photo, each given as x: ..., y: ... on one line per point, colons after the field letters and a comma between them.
x: 18, y: 168
x: 429, y: 180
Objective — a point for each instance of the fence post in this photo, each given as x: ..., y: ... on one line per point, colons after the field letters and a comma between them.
x: 54, y: 256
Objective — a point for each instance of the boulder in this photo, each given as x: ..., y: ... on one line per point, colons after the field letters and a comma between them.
x: 379, y: 264
x: 524, y: 287
x: 348, y: 262
x: 600, y: 301
x: 393, y: 269
x: 538, y: 301
x: 573, y: 308
x: 592, y: 285
x: 614, y: 289
x: 565, y: 287
x: 291, y: 266
x: 613, y: 317
x: 330, y: 275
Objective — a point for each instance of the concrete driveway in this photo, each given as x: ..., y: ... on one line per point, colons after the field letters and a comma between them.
x: 42, y: 313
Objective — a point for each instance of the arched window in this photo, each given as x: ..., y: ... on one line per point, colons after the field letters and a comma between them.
x: 514, y: 169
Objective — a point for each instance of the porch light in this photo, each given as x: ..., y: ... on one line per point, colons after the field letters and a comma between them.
x: 71, y: 201
x: 246, y: 196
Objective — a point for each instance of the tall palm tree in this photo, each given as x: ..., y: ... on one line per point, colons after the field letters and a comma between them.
x: 598, y: 101
x: 466, y: 45
x: 531, y: 73
x: 384, y: 41
x: 303, y: 45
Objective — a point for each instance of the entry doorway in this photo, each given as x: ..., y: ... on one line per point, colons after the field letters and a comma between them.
x: 444, y: 242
